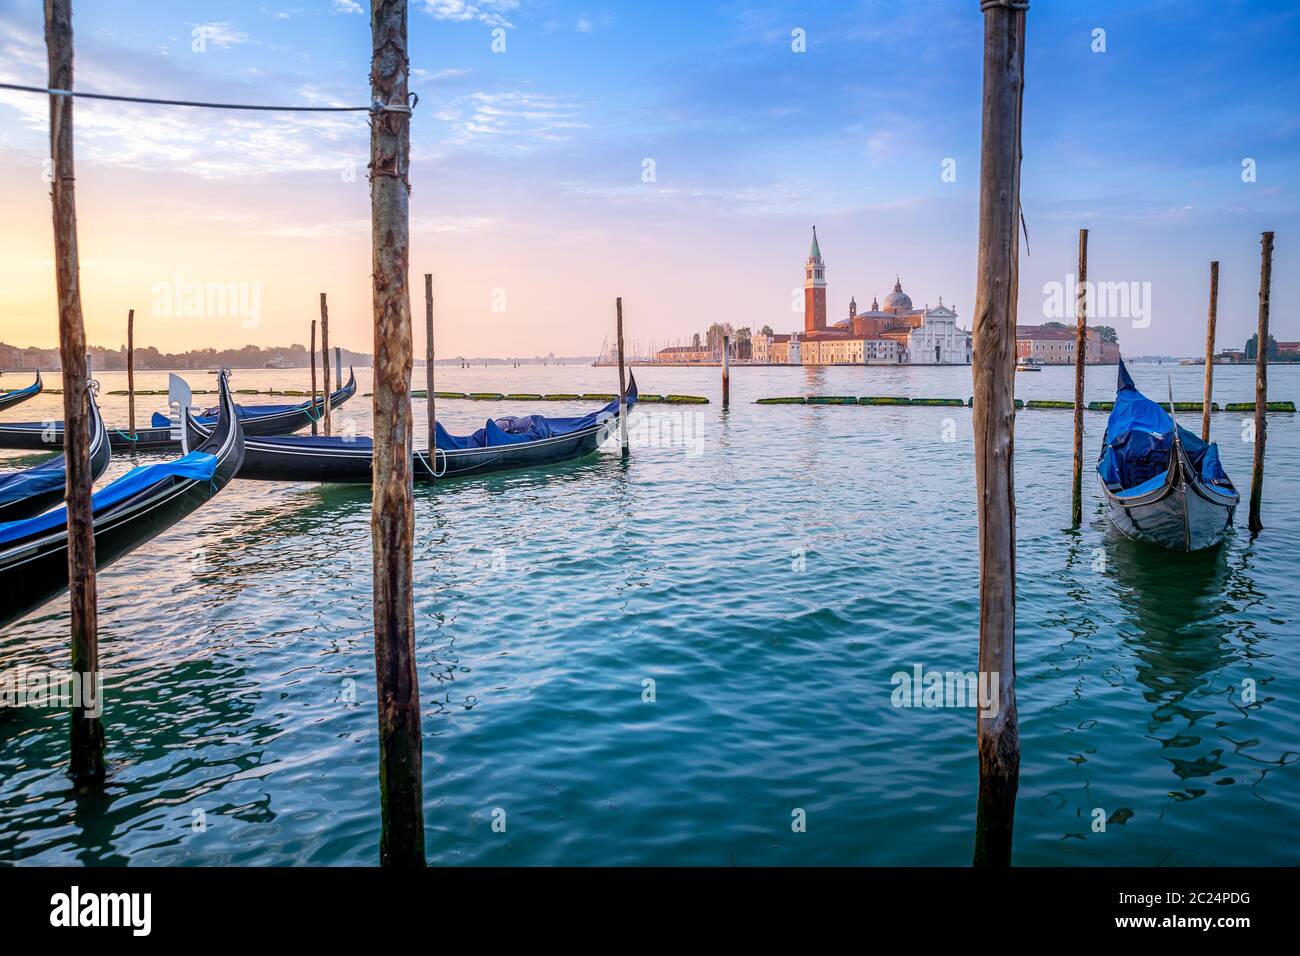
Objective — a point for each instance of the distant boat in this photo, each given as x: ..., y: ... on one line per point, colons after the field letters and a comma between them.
x: 1029, y: 364
x: 278, y: 362
x: 1163, y: 485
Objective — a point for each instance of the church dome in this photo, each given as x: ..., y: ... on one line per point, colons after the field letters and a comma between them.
x: 898, y: 300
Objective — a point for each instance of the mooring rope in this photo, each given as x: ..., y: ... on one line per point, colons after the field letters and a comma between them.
x: 372, y: 108
x: 423, y: 458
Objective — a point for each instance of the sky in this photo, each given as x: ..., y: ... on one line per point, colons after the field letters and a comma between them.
x: 676, y: 154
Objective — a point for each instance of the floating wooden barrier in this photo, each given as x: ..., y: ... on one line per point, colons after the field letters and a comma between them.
x: 783, y: 400
x: 832, y: 400
x: 1269, y: 406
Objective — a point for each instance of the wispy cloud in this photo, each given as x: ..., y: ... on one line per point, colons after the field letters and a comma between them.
x: 512, y: 118
x: 221, y: 34
x: 491, y: 12
x: 347, y: 6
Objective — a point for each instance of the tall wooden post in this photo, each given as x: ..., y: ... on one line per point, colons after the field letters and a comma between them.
x: 726, y: 371
x: 1209, y: 350
x: 87, y: 764
x: 622, y: 380
x: 1080, y: 362
x: 311, y: 360
x: 325, y: 357
x: 392, y: 507
x: 338, y: 366
x: 130, y: 371
x: 993, y: 417
x: 1261, y: 381
x: 428, y: 369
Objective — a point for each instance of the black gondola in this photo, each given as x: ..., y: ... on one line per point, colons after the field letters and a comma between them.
x: 20, y: 395
x: 502, y: 444
x: 256, y: 420
x: 127, y: 512
x: 33, y: 490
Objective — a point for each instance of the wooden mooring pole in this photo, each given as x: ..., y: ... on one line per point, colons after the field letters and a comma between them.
x: 311, y: 360
x: 1210, y: 322
x: 87, y: 738
x: 428, y: 369
x: 622, y: 380
x: 726, y: 371
x: 993, y: 417
x: 392, y: 507
x: 325, y: 359
x: 130, y: 372
x: 1080, y: 363
x: 1261, y: 381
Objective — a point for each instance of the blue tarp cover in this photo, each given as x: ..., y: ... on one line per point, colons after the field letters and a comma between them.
x: 46, y: 477
x: 513, y: 430
x: 510, y: 430
x: 197, y: 466
x: 1140, y: 439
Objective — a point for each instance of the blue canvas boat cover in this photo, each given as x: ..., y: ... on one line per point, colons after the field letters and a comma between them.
x: 509, y: 430
x: 513, y: 430
x: 1139, y: 441
x: 197, y: 466
x: 44, y: 478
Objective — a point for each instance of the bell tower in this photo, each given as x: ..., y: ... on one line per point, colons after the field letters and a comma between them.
x: 814, y: 289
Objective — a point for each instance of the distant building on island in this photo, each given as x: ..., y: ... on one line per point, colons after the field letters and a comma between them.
x: 685, y: 355
x: 1054, y: 345
x: 893, y: 334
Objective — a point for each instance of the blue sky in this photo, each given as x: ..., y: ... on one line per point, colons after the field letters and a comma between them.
x: 527, y: 163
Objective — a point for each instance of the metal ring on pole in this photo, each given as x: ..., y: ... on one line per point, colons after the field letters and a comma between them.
x: 986, y: 5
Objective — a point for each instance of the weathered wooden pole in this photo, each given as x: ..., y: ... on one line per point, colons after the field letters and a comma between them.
x: 993, y: 416
x: 726, y: 371
x: 325, y: 357
x: 87, y: 764
x: 428, y: 369
x: 311, y: 360
x: 1261, y: 381
x: 622, y: 380
x: 392, y: 507
x: 1209, y: 350
x: 338, y: 365
x: 1080, y: 360
x: 130, y: 371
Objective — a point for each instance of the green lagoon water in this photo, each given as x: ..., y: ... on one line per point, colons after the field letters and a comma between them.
x: 769, y: 574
